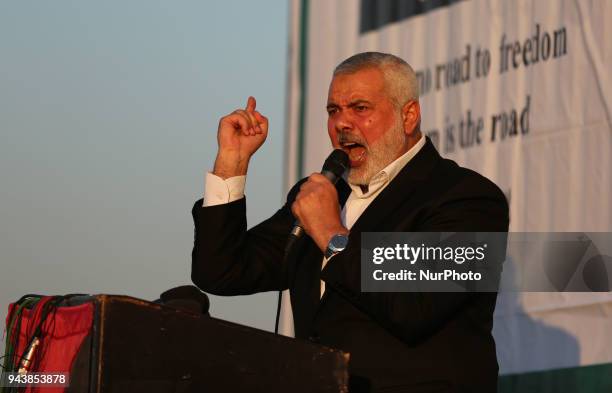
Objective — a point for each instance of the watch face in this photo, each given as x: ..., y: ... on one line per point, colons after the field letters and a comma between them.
x: 338, y: 242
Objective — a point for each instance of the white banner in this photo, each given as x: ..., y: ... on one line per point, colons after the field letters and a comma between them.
x: 516, y: 90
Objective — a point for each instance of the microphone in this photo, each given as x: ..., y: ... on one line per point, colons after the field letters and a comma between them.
x: 333, y: 168
x: 186, y: 297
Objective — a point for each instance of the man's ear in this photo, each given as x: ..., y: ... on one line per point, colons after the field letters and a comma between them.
x: 411, y: 117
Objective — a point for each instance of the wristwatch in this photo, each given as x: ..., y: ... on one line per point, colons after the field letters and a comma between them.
x: 337, y: 244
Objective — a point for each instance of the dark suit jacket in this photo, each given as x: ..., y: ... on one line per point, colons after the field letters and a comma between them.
x: 413, y: 342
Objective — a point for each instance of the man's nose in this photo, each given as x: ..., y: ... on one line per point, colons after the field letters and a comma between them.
x: 343, y: 122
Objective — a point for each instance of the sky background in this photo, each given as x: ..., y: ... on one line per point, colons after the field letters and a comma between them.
x: 109, y: 113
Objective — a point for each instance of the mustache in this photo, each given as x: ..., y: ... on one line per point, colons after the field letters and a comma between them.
x: 344, y: 137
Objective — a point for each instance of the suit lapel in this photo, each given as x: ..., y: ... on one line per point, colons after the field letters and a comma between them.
x: 343, y: 192
x: 399, y: 190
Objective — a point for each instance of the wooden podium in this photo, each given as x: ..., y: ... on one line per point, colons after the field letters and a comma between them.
x: 138, y: 346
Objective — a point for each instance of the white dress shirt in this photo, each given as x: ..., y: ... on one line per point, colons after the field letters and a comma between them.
x: 218, y: 191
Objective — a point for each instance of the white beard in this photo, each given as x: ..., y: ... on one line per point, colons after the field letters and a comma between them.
x: 379, y: 155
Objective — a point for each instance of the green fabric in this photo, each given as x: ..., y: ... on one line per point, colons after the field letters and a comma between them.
x: 303, y: 64
x: 587, y: 379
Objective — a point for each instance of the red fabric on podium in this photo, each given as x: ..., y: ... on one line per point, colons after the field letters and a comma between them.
x: 63, y: 332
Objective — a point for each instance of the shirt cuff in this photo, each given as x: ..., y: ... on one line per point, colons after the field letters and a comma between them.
x: 218, y: 191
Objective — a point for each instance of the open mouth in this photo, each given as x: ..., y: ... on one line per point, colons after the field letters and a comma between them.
x: 355, y: 151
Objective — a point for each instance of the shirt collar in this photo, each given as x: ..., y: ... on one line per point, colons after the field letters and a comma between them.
x: 388, y: 173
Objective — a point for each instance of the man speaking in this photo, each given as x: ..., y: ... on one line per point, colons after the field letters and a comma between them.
x: 397, y: 182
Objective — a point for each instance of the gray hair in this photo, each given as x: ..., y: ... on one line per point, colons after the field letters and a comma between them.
x: 400, y: 79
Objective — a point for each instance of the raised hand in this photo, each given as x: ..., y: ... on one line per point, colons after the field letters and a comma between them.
x: 239, y: 136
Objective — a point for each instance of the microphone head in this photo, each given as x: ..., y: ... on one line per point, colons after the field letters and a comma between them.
x: 337, y: 163
x: 186, y: 297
